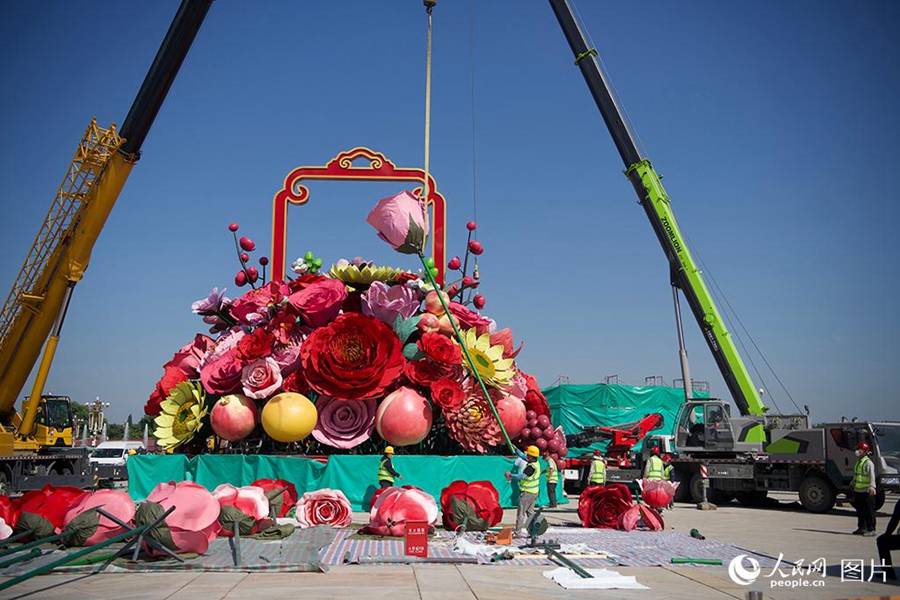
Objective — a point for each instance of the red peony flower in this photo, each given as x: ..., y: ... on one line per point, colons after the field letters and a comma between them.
x: 440, y: 348
x: 448, y: 393
x: 285, y: 501
x: 188, y: 358
x: 600, y: 506
x: 320, y: 302
x: 355, y: 357
x: 304, y: 281
x: 223, y: 376
x: 424, y: 372
x: 172, y: 377
x: 50, y: 502
x: 296, y: 382
x: 534, y: 398
x: 324, y: 507
x: 477, y: 503
x: 253, y: 307
x: 256, y: 345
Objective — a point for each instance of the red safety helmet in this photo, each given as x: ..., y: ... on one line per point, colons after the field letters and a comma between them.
x: 862, y: 446
x: 667, y: 457
x: 598, y: 453
x: 655, y: 449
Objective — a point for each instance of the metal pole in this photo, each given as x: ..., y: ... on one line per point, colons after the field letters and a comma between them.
x: 682, y: 352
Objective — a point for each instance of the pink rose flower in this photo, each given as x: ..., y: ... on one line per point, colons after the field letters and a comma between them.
x: 468, y: 319
x: 187, y: 359
x: 324, y: 507
x: 223, y: 376
x: 321, y: 302
x: 344, y: 423
x: 253, y: 307
x: 261, y: 378
x: 401, y: 221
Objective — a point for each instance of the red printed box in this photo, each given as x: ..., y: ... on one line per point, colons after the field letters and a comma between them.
x: 416, y: 538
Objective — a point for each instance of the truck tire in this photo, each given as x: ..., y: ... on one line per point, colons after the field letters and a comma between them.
x: 696, y: 488
x: 683, y: 491
x: 817, y: 494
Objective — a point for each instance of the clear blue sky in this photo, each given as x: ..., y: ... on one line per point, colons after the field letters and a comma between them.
x: 774, y: 123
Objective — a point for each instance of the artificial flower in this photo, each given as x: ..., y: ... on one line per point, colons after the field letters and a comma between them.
x: 354, y: 357
x: 395, y: 506
x: 172, y: 377
x: 387, y: 302
x: 534, y: 397
x: 223, y: 376
x: 357, y: 277
x: 600, y: 506
x: 320, y: 302
x: 440, y: 348
x: 343, y: 423
x: 253, y: 308
x: 188, y: 358
x: 281, y: 503
x: 261, y: 378
x: 181, y: 415
x: 657, y: 493
x: 194, y: 522
x: 256, y: 345
x: 448, y: 394
x: 324, y: 507
x: 401, y: 221
x: 640, y: 515
x: 474, y: 505
x: 488, y: 360
x: 504, y: 338
x: 117, y: 503
x: 424, y: 372
x: 473, y: 424
x: 469, y: 319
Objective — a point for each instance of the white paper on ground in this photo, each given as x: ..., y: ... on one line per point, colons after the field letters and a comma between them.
x: 603, y: 579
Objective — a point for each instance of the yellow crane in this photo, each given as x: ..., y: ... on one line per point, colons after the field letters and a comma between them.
x: 35, y: 444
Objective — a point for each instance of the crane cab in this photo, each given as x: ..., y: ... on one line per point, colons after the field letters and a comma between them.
x: 707, y: 426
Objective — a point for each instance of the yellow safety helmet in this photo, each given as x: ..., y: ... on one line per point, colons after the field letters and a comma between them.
x: 533, y: 451
x: 389, y: 450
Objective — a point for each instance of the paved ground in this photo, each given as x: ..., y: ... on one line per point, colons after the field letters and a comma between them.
x: 794, y: 532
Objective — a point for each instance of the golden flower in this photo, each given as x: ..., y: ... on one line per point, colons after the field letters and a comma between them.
x: 355, y: 277
x: 181, y: 414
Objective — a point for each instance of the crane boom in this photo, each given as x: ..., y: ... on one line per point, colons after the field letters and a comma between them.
x: 35, y: 308
x: 685, y: 274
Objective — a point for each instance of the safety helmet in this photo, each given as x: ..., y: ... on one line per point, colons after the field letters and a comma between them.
x: 862, y: 446
x: 388, y: 449
x: 532, y: 451
x: 598, y: 453
x: 655, y: 449
x: 667, y: 457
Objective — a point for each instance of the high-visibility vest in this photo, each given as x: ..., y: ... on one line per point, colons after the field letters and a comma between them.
x: 667, y: 472
x: 552, y: 474
x: 599, y: 474
x: 383, y: 473
x: 655, y: 468
x: 531, y: 483
x: 861, y: 479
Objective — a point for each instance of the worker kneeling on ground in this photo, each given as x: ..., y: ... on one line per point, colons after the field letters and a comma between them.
x: 529, y: 486
x: 655, y: 470
x: 862, y: 489
x: 386, y: 472
x: 597, y: 474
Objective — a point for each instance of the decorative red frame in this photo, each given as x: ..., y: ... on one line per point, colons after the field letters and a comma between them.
x: 341, y: 168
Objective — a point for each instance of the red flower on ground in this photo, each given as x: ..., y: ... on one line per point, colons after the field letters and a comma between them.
x: 448, y: 393
x: 256, y: 345
x: 600, y: 506
x: 50, y: 502
x: 643, y: 515
x: 440, y: 348
x: 286, y: 500
x: 477, y: 503
x: 355, y: 357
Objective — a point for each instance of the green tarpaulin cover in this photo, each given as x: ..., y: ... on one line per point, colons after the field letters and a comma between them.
x: 576, y: 406
x: 353, y: 475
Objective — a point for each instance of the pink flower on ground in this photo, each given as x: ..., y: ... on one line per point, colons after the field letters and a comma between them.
x: 387, y: 302
x: 401, y: 221
x: 251, y: 500
x: 344, y: 423
x: 395, y: 506
x: 640, y: 514
x: 119, y: 504
x: 261, y: 378
x: 324, y: 507
x: 195, y: 521
x: 320, y: 302
x: 657, y: 493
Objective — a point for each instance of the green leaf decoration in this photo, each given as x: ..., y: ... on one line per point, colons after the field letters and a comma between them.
x: 405, y: 327
x: 412, y: 352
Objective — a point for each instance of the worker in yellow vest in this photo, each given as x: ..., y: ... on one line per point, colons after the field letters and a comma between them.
x: 386, y: 472
x: 655, y: 470
x: 552, y: 478
x: 863, y: 491
x: 597, y: 473
x: 529, y: 486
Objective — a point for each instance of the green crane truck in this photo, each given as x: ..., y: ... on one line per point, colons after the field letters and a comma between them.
x: 754, y: 453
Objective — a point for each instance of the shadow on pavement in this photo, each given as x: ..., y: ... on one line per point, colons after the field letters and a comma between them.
x: 37, y: 593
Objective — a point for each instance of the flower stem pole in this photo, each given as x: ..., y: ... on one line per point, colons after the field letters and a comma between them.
x: 465, y: 350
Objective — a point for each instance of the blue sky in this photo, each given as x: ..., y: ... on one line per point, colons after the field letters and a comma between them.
x: 774, y: 124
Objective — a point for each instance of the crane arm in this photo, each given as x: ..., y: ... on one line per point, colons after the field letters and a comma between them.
x: 36, y: 306
x: 656, y: 203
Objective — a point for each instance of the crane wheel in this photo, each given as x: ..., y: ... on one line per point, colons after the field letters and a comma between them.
x: 817, y: 494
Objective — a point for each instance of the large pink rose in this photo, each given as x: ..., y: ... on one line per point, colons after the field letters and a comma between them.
x: 344, y: 423
x: 188, y: 358
x: 117, y: 503
x: 401, y: 221
x: 324, y: 507
x: 320, y: 302
x: 468, y: 319
x: 223, y: 376
x: 195, y: 521
x: 261, y: 378
x: 395, y: 506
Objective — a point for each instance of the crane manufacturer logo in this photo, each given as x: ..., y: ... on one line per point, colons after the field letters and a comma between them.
x: 741, y: 575
x: 670, y: 231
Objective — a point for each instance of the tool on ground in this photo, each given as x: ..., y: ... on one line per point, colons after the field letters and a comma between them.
x: 697, y: 561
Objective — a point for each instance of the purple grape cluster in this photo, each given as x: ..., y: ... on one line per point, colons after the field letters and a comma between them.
x: 539, y: 431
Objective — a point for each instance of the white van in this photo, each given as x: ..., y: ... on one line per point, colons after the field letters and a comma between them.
x: 114, y: 454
